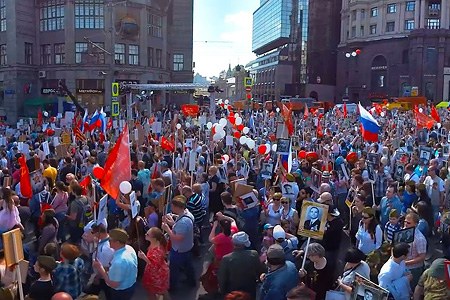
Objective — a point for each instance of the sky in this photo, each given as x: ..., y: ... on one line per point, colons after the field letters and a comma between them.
x: 222, y: 34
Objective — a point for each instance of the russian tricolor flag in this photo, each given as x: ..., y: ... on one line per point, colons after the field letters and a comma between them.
x: 369, y: 126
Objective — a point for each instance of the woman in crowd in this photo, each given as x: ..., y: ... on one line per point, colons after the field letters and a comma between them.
x: 369, y: 236
x: 409, y: 196
x: 49, y: 230
x: 215, y: 189
x: 357, y: 208
x: 425, y: 212
x: 289, y: 214
x: 354, y: 263
x: 60, y: 206
x: 273, y: 211
x: 9, y: 215
x: 156, y: 275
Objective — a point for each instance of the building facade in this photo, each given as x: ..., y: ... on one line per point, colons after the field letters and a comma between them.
x: 89, y: 44
x: 389, y: 48
x: 280, y: 34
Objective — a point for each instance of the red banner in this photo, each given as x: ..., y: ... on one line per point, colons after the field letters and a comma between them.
x: 167, y: 145
x: 25, y: 181
x: 190, y: 110
x: 423, y: 120
x: 287, y: 116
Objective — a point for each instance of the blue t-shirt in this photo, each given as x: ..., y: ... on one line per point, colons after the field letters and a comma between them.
x: 408, y: 200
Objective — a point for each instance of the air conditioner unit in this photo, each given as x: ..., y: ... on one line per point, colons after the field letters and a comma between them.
x: 42, y: 74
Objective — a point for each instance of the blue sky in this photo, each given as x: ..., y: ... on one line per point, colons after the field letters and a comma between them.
x: 218, y: 21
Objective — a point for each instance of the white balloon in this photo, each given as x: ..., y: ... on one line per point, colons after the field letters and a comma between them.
x: 225, y: 106
x: 216, y: 137
x: 421, y: 110
x: 267, y: 149
x: 227, y: 101
x: 236, y: 115
x: 243, y: 140
x: 251, y: 143
x: 223, y: 122
x: 246, y: 130
x: 438, y: 125
x: 209, y: 125
x: 220, y: 101
x: 45, y: 114
x: 277, y: 109
x: 238, y: 121
x: 178, y: 126
x: 221, y: 133
x: 274, y: 147
x: 188, y: 125
x: 225, y: 157
x: 125, y: 187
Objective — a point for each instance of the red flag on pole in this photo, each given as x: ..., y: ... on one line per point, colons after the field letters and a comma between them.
x: 167, y: 145
x: 25, y: 181
x: 345, y: 109
x: 39, y: 117
x: 306, y: 113
x: 117, y: 165
x: 287, y: 116
x: 435, y: 114
x: 423, y: 120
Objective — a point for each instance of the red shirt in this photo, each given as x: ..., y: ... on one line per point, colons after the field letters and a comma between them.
x: 222, y: 245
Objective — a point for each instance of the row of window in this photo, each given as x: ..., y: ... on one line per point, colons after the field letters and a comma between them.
x: 390, y: 27
x: 390, y: 9
x: 2, y: 15
x: 89, y: 14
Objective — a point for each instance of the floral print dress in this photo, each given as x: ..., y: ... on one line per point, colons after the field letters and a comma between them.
x: 156, y: 275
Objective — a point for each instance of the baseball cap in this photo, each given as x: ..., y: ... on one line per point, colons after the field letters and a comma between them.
x: 275, y: 252
x: 278, y: 233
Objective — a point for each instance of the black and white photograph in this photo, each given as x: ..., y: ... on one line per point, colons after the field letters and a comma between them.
x: 365, y: 289
x: 248, y: 201
x: 283, y: 146
x: 313, y: 220
x: 267, y: 170
x: 404, y: 236
x: 446, y: 150
x: 422, y: 136
x: 288, y: 188
x: 371, y: 171
x: 399, y: 171
x: 222, y: 174
x: 373, y: 158
x: 425, y: 153
x: 316, y: 178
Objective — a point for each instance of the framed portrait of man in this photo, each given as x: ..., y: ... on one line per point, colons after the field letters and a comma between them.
x: 425, y: 153
x: 365, y: 289
x: 283, y: 146
x: 373, y: 158
x: 399, y: 171
x: 313, y: 220
x: 288, y: 188
x: 316, y: 179
x: 267, y: 170
x: 404, y: 236
x: 248, y: 200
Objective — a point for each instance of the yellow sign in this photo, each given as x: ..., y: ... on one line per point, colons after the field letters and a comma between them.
x: 115, y: 108
x: 66, y: 138
x: 414, y: 91
x: 248, y: 81
x: 115, y: 89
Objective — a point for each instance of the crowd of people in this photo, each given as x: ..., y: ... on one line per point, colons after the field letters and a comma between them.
x: 381, y: 209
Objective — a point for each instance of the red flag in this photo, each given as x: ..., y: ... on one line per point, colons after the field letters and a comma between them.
x: 345, y: 110
x: 79, y: 136
x: 306, y: 113
x: 287, y: 116
x: 25, y: 181
x: 87, y: 181
x: 319, y: 130
x: 167, y: 145
x: 39, y: 117
x: 423, y: 120
x: 190, y: 110
x: 117, y: 165
x: 435, y: 114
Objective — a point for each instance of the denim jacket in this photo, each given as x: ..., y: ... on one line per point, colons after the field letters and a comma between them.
x: 279, y: 282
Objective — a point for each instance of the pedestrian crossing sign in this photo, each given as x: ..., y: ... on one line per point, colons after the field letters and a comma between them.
x: 248, y: 81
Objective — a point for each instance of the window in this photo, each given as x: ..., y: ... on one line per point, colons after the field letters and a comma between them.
x: 154, y: 25
x: 178, y: 62
x: 363, y: 14
x: 410, y: 5
x: 150, y: 51
x: 433, y: 24
x: 158, y: 59
x: 51, y: 15
x: 390, y: 26
x: 353, y: 31
x: 391, y: 8
x: 374, y: 11
x: 2, y: 15
x: 119, y: 55
x: 60, y: 55
x: 28, y: 53
x: 3, y: 58
x: 353, y: 15
x: 434, y: 6
x: 133, y: 54
x: 81, y: 49
x: 409, y: 24
x: 373, y: 29
x: 361, y: 31
x: 89, y: 14
x: 97, y: 53
x: 46, y: 54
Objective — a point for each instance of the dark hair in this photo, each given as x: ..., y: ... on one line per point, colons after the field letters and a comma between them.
x: 77, y: 189
x: 277, y: 261
x: 226, y: 227
x: 354, y: 255
x: 372, y: 227
x: 226, y: 198
x: 134, y: 172
x: 400, y: 249
x: 61, y: 186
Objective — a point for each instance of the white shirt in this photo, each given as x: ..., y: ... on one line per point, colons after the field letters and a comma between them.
x: 105, y: 253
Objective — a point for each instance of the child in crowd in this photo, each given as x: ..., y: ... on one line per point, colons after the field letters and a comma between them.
x: 267, y: 241
x: 392, y: 226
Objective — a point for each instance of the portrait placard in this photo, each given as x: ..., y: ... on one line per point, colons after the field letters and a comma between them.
x: 313, y: 220
x: 316, y: 176
x: 283, y: 146
x: 366, y: 289
x: 248, y: 200
x: 405, y: 235
x: 267, y: 170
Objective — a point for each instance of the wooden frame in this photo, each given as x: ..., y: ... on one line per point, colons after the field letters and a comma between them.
x: 313, y: 220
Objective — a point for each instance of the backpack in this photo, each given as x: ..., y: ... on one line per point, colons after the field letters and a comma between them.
x: 86, y: 213
x: 288, y: 248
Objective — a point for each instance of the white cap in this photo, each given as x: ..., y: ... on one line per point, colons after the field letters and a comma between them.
x: 278, y: 233
x: 89, y: 225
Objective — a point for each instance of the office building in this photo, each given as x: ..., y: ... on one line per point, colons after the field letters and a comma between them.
x: 392, y: 48
x: 280, y: 34
x: 89, y: 44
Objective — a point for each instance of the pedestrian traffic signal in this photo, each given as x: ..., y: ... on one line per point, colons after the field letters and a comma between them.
x: 115, y: 90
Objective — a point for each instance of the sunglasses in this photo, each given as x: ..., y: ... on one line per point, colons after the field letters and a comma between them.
x: 276, y: 199
x: 284, y: 202
x: 406, y: 222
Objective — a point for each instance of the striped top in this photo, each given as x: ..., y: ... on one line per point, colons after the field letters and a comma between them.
x: 195, y: 207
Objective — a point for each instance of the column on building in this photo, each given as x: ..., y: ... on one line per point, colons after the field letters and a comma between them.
x: 422, y: 6
x: 444, y: 14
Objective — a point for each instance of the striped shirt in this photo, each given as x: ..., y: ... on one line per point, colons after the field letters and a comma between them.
x: 389, y: 229
x: 195, y: 207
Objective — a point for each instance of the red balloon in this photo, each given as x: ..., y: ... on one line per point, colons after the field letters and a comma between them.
x: 50, y: 132
x: 352, y: 157
x: 240, y: 127
x: 312, y: 156
x: 237, y: 134
x: 358, y: 51
x: 232, y: 119
x: 98, y: 172
x: 262, y: 149
x: 302, y: 154
x: 52, y: 119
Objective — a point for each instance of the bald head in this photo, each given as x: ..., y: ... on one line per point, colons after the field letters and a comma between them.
x: 62, y: 296
x: 324, y: 187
